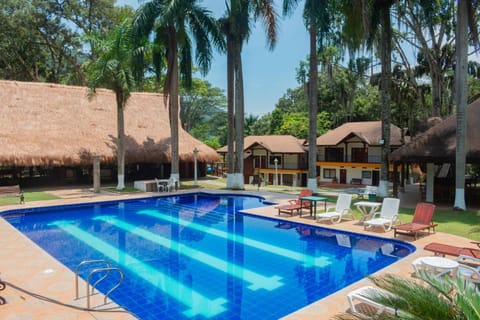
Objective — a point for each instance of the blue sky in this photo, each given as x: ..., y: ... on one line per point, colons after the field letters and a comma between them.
x: 267, y: 74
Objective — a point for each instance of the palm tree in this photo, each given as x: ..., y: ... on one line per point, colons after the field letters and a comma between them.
x: 465, y: 14
x: 113, y: 70
x: 318, y: 16
x: 236, y: 27
x: 374, y: 17
x: 174, y: 22
x: 250, y: 121
x: 461, y: 89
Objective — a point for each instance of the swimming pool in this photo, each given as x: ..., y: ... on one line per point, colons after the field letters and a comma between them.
x: 196, y: 256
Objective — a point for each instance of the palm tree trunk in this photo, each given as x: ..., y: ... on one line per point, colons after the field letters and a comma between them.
x: 385, y: 56
x: 239, y: 118
x: 173, y: 101
x: 231, y: 113
x: 312, y: 109
x: 461, y: 87
x: 120, y: 141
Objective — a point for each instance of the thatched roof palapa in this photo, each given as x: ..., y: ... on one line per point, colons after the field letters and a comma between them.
x: 438, y: 144
x: 51, y: 124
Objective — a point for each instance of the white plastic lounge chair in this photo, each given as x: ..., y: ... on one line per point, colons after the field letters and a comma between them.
x: 387, y: 216
x: 470, y: 274
x: 342, y: 209
x: 467, y: 272
x: 369, y: 190
x: 365, y: 295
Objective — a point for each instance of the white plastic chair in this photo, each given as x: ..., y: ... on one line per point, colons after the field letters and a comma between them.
x: 160, y: 185
x: 342, y: 209
x: 172, y: 184
x: 387, y: 216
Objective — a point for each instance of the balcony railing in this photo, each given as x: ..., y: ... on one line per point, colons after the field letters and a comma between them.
x: 371, y: 159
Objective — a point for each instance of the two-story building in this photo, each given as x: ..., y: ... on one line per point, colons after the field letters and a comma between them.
x: 351, y: 153
x: 275, y: 159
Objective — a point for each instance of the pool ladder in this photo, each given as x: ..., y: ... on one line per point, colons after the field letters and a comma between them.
x: 106, y: 270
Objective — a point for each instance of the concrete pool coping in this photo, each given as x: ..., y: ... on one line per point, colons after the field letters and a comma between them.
x: 26, y: 265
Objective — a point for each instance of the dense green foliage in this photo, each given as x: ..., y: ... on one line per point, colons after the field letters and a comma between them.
x: 203, y: 113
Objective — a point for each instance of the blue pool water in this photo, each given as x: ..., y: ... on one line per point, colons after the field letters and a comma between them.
x: 196, y: 256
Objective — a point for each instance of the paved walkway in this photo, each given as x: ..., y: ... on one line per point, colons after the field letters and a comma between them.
x: 24, y: 264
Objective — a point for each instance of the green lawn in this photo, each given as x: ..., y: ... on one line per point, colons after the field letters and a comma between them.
x: 460, y: 223
x: 449, y: 221
x: 29, y: 196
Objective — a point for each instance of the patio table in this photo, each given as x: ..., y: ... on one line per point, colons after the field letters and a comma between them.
x: 313, y: 206
x: 367, y: 209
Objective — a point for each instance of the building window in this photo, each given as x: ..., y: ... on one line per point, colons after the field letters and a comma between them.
x: 334, y: 154
x: 366, y: 174
x: 329, y: 173
x: 360, y: 155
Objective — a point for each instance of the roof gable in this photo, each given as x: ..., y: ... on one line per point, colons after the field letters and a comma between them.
x: 369, y: 132
x: 272, y: 143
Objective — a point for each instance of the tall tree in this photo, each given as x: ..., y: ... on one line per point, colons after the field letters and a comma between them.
x: 317, y: 15
x: 113, y: 70
x: 461, y: 89
x: 236, y: 26
x: 364, y: 20
x: 465, y: 21
x: 431, y: 32
x: 36, y: 43
x: 174, y: 23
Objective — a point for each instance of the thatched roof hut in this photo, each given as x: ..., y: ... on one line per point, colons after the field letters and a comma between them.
x: 438, y: 144
x: 57, y: 125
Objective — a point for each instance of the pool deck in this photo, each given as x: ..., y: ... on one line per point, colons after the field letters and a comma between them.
x: 24, y: 264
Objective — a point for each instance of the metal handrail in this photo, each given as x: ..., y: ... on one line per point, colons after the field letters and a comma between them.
x: 107, y: 270
x: 85, y: 263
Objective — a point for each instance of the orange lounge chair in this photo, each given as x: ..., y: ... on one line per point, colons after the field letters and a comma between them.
x: 446, y: 249
x: 422, y: 220
x: 296, y: 205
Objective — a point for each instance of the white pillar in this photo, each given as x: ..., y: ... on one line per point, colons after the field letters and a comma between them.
x: 96, y: 174
x: 195, y: 167
x: 430, y: 181
x: 275, y: 178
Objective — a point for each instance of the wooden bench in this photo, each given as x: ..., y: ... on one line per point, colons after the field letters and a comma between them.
x: 12, y: 191
x: 356, y: 181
